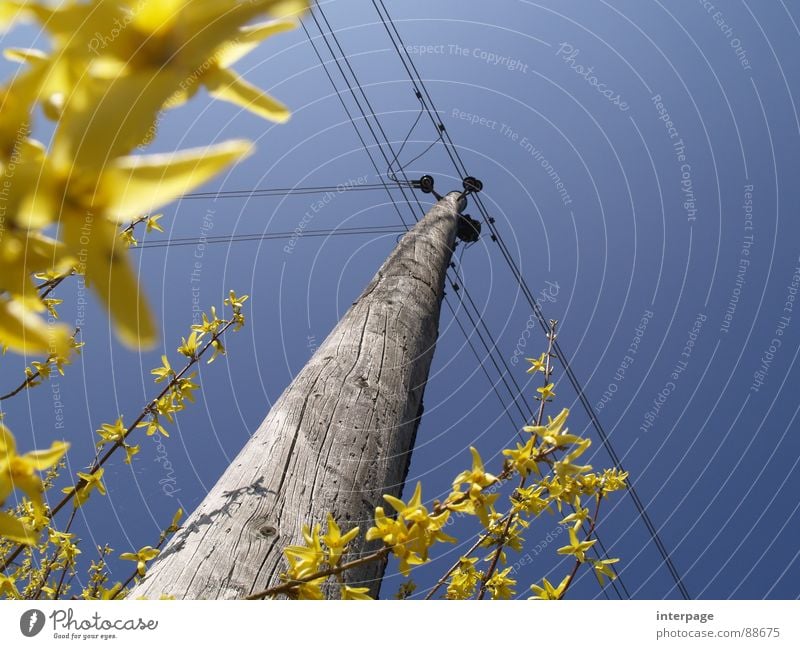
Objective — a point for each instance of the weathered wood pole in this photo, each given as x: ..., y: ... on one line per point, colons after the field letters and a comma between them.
x: 339, y: 437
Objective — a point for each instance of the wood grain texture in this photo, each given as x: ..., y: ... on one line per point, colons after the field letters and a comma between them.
x: 339, y: 437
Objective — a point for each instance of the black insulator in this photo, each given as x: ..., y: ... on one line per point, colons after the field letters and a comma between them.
x: 425, y: 184
x: 469, y: 230
x: 472, y: 184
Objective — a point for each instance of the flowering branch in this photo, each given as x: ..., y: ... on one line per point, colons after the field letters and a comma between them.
x: 548, y: 369
x: 292, y: 584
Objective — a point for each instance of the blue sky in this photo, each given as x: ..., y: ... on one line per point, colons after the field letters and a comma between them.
x: 676, y: 153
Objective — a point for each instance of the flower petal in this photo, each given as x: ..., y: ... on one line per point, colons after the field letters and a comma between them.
x: 108, y: 271
x: 229, y: 86
x: 248, y: 39
x: 24, y: 331
x: 16, y: 530
x: 107, y: 119
x: 138, y: 185
x: 44, y: 459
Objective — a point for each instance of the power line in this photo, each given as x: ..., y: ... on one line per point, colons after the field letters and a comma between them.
x: 374, y: 135
x: 266, y: 236
x: 389, y: 171
x: 455, y: 157
x: 442, y: 134
x: 406, y: 182
x: 461, y: 168
x: 400, y: 184
x: 285, y: 191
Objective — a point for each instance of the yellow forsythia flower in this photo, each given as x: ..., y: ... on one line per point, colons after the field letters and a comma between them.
x: 20, y: 471
x: 141, y: 558
x: 547, y: 591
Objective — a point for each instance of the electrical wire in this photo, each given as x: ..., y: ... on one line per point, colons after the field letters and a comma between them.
x: 285, y: 191
x: 266, y: 236
x: 366, y: 101
x: 452, y: 152
x: 366, y: 119
x: 461, y: 168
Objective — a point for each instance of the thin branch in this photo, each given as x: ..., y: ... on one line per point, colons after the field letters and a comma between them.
x: 475, y: 546
x: 50, y: 564
x: 147, y: 410
x: 588, y: 537
x: 28, y: 381
x: 66, y: 564
x: 164, y: 537
x: 551, y: 337
x: 97, y: 464
x: 51, y: 284
x: 335, y: 570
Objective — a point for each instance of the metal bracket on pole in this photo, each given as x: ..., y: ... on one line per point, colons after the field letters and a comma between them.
x: 469, y: 230
x: 425, y: 184
x: 472, y: 185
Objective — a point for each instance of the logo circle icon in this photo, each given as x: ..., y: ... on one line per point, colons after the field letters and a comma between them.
x: 31, y: 622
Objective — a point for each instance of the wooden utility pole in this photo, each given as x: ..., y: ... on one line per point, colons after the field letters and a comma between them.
x: 339, y: 437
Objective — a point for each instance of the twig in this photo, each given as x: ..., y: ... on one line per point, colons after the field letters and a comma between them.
x: 335, y: 570
x: 588, y: 537
x: 28, y: 381
x: 97, y: 464
x: 551, y: 336
x: 441, y: 581
x: 51, y: 284
x: 66, y: 564
x: 50, y: 563
x: 125, y: 583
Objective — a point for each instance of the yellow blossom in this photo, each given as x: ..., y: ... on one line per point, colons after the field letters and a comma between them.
x: 577, y: 517
x: 90, y: 195
x: 613, y: 480
x: 88, y: 483
x: 8, y: 589
x: 305, y: 560
x: 500, y: 585
x: 24, y: 331
x: 576, y: 547
x: 189, y: 347
x: 602, y: 568
x: 152, y: 224
x: 112, y: 433
x: 175, y: 524
x: 477, y: 475
x: 409, y: 543
x: 566, y: 466
x: 524, y: 458
x: 153, y: 426
x: 20, y: 471
x: 537, y: 364
x: 164, y: 372
x: 551, y: 433
x: 464, y: 579
x: 349, y: 592
x: 130, y: 451
x: 546, y: 393
x: 547, y: 591
x: 335, y: 541
x: 141, y: 558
